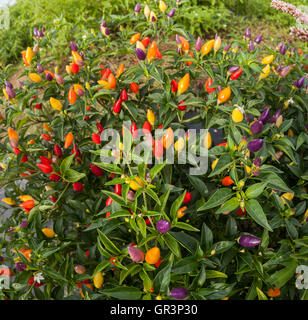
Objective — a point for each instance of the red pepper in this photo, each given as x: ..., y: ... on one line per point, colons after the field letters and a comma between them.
x: 147, y: 128
x: 58, y: 151
x: 55, y: 176
x: 99, y: 127
x: 45, y: 160
x: 236, y: 74
x: 117, y: 106
x: 124, y: 95
x: 46, y: 168
x: 96, y: 170
x: 208, y: 83
x: 96, y: 138
x: 118, y: 189
x: 174, y: 86
x: 78, y: 186
x: 134, y: 130
x: 134, y: 87
x: 108, y: 202
x: 181, y: 107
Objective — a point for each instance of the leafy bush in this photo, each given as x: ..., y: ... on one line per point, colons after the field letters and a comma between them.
x: 138, y: 230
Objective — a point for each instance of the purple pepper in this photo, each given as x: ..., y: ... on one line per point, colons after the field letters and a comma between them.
x: 255, y: 145
x: 265, y: 115
x: 257, y: 162
x: 80, y: 92
x: 39, y: 68
x: 48, y: 76
x: 20, y: 266
x: 107, y: 31
x: 251, y: 46
x: 233, y: 69
x: 104, y: 24
x: 73, y: 46
x: 258, y: 39
x: 179, y: 293
x: 24, y: 224
x: 20, y: 83
x: 10, y: 92
x: 163, y: 226
x: 40, y: 34
x: 178, y: 50
x: 130, y: 196
x: 249, y: 241
x: 198, y: 44
x: 300, y: 82
x: 275, y: 116
x: 1, y: 258
x: 284, y: 71
x: 153, y: 19
x: 11, y: 229
x: 8, y: 84
x: 283, y: 49
x: 141, y: 55
x: 247, y: 33
x: 279, y: 68
x: 137, y: 8
x: 256, y: 127
x: 219, y: 88
x: 171, y: 13
x: 227, y: 48
x: 177, y: 39
x: 43, y: 29
x: 35, y: 33
x: 135, y: 254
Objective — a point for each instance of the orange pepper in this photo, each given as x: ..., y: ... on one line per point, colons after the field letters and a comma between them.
x: 112, y: 81
x: 224, y: 95
x: 134, y: 38
x: 72, y: 96
x: 185, y: 44
x: 68, y: 140
x: 227, y: 181
x: 189, y: 63
x: 153, y: 255
x: 181, y: 212
x: 120, y: 70
x: 273, y: 292
x: 184, y: 84
x: 168, y: 138
x: 152, y: 51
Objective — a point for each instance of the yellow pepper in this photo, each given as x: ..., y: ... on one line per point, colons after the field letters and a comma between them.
x: 9, y: 201
x: 35, y: 77
x: 162, y: 6
x: 237, y: 115
x: 25, y: 198
x: 98, y: 280
x: 49, y: 233
x: 287, y: 196
x: 266, y: 71
x: 55, y: 104
x: 29, y: 55
x: 207, y: 141
x: 179, y: 145
x: 136, y: 184
x: 217, y: 44
x: 153, y: 255
x: 207, y: 47
x: 184, y: 84
x: 268, y: 59
x: 151, y: 117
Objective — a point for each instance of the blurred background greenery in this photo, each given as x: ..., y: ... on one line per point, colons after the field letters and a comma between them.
x: 69, y: 18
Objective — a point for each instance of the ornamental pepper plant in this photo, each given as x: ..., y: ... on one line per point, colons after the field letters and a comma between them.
x: 75, y: 226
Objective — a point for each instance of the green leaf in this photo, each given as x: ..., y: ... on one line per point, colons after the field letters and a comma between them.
x: 185, y: 265
x: 71, y: 175
x: 223, y: 163
x: 185, y: 226
x: 162, y: 279
x: 113, y: 168
x: 142, y: 226
x: 198, y: 184
x: 66, y: 163
x: 229, y: 205
x: 187, y: 241
x: 156, y: 169
x: 109, y: 245
x: 54, y: 274
x: 101, y: 266
x: 118, y: 199
x: 211, y: 274
x: 206, y: 238
x: 153, y: 195
x: 261, y: 295
x: 274, y: 181
x: 222, y: 246
x: 255, y: 190
x: 256, y: 213
x: 220, y: 196
x: 123, y: 293
x: 176, y: 205
x: 281, y: 277
x: 172, y: 244
x: 130, y: 269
